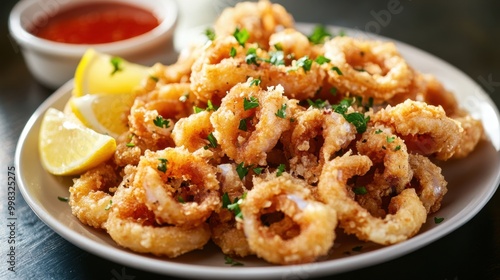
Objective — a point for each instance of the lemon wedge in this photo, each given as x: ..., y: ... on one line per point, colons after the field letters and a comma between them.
x: 68, y: 148
x: 102, y: 73
x: 104, y: 113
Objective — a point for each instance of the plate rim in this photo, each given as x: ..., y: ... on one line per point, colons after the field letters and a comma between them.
x: 166, y: 267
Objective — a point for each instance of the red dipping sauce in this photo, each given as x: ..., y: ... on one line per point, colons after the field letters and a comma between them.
x: 97, y: 23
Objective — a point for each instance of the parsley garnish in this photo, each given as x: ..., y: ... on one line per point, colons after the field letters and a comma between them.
x: 360, y: 190
x: 319, y: 35
x: 242, y: 170
x: 281, y: 113
x: 232, y: 52
x: 277, y: 58
x: 154, y: 78
x: 130, y: 144
x: 210, y: 106
x: 243, y: 125
x: 225, y: 200
x: 318, y: 103
x: 390, y: 139
x: 212, y: 141
x: 255, y: 82
x: 280, y: 170
x: 231, y: 261
x: 159, y: 121
x: 258, y: 170
x: 197, y: 109
x: 438, y: 220
x: 250, y: 103
x: 162, y: 166
x: 241, y: 36
x: 252, y: 57
x: 322, y: 60
x: 305, y: 63
x: 109, y: 205
x: 336, y: 69
x: 378, y: 131
x: 210, y: 33
x: 63, y: 199
x: 116, y: 63
x: 180, y: 199
x: 397, y: 148
x: 358, y: 120
x: 235, y: 207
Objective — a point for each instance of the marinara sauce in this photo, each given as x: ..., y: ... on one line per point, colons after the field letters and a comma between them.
x: 97, y: 23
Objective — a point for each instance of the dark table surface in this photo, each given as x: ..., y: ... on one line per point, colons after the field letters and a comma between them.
x: 463, y: 33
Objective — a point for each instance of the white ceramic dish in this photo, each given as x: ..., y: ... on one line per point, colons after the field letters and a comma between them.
x: 481, y: 170
x: 54, y: 63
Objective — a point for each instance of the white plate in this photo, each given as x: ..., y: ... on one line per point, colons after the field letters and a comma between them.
x: 472, y: 182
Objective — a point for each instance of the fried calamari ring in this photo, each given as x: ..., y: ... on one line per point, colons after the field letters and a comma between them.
x: 473, y: 132
x: 225, y: 231
x: 293, y: 44
x: 91, y: 194
x: 428, y: 182
x: 406, y: 212
x: 179, y: 187
x: 366, y: 68
x: 392, y: 173
x: 260, y: 19
x: 304, y: 228
x: 425, y: 128
x: 262, y: 125
x: 307, y: 152
x: 132, y: 225
x: 217, y: 71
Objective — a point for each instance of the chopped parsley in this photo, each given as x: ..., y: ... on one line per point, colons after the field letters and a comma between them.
x: 225, y: 200
x: 243, y: 125
x: 232, y: 52
x: 181, y: 200
x: 318, y: 103
x: 378, y: 131
x: 280, y: 170
x: 319, y: 35
x: 162, y: 165
x: 397, y: 148
x: 63, y: 199
x: 210, y: 33
x: 258, y: 170
x: 231, y: 261
x: 154, y: 78
x: 197, y: 109
x: 159, y: 121
x: 116, y: 62
x: 322, y: 60
x: 252, y: 57
x: 438, y: 220
x: 255, y: 82
x: 305, y: 62
x: 277, y: 58
x: 130, y: 144
x: 235, y: 206
x: 250, y: 103
x: 336, y: 69
x: 390, y: 139
x: 241, y: 36
x: 212, y: 141
x: 109, y: 205
x: 360, y: 190
x: 210, y: 106
x: 281, y: 113
x: 242, y: 170
x: 358, y: 120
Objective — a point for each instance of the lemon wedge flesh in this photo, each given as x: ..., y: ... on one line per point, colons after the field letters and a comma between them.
x: 104, y: 113
x: 68, y: 148
x: 102, y: 73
